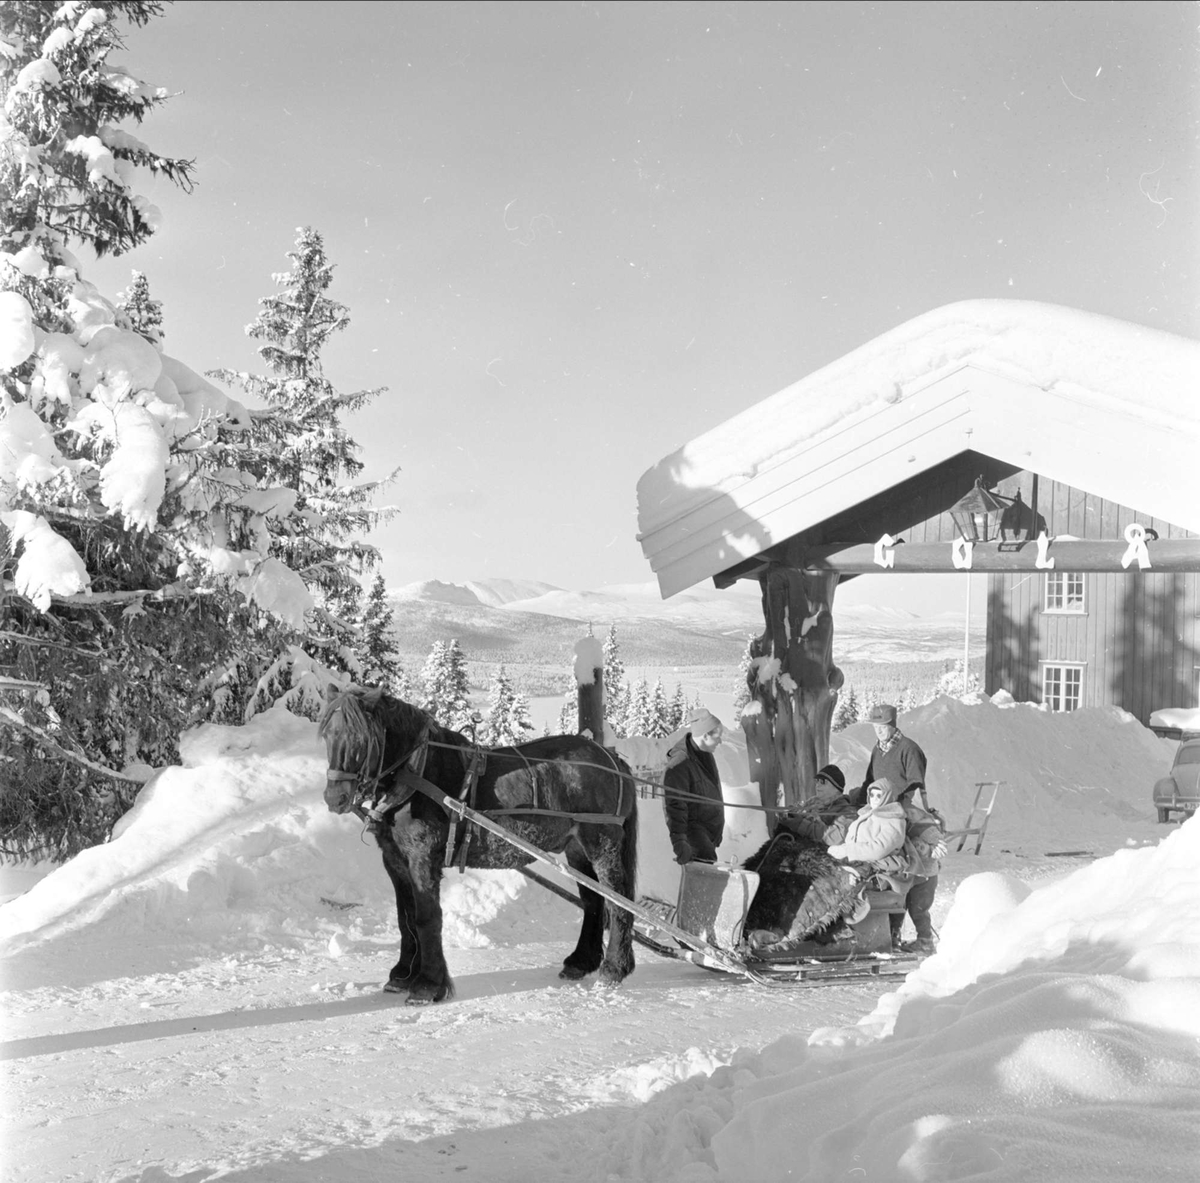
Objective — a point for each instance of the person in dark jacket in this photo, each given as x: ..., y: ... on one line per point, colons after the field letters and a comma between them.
x: 894, y: 757
x: 814, y: 817
x: 694, y: 803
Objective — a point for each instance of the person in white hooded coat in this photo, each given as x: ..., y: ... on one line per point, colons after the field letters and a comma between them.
x: 875, y: 832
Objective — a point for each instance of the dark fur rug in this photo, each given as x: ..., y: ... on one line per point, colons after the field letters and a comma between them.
x: 803, y: 892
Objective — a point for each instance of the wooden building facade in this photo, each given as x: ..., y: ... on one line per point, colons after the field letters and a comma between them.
x: 1082, y: 638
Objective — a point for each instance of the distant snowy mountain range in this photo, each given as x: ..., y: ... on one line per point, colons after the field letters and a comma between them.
x: 722, y: 617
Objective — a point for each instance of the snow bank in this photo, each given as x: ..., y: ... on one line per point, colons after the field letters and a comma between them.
x: 1066, y: 776
x: 237, y: 846
x: 1053, y: 1037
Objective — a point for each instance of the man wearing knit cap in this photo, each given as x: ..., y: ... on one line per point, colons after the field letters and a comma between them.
x: 827, y: 805
x: 894, y: 756
x: 694, y: 803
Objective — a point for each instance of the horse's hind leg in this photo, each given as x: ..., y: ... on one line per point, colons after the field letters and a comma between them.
x: 590, y: 949
x: 616, y: 873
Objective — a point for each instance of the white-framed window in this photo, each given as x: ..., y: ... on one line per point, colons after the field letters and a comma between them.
x: 1062, y: 685
x: 1064, y: 592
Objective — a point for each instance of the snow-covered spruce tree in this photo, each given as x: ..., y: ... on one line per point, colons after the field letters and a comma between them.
x: 658, y: 712
x: 568, y: 713
x: 951, y: 680
x: 870, y: 699
x: 140, y: 311
x: 637, y: 709
x: 377, y: 645
x: 66, y: 168
x: 845, y: 710
x: 677, y: 709
x: 507, y: 718
x: 616, y: 690
x: 301, y: 445
x: 446, y: 688
x: 119, y: 466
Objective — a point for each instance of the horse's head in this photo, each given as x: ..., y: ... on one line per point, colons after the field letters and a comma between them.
x: 354, y: 742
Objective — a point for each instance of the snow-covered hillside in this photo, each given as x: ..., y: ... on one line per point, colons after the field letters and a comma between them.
x: 200, y: 997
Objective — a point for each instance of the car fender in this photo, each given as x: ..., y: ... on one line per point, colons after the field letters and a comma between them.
x: 1165, y: 789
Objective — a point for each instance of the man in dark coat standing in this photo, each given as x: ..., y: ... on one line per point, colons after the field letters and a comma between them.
x: 894, y: 757
x: 694, y: 803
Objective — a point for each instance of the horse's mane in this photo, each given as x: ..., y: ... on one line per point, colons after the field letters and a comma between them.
x: 365, y: 714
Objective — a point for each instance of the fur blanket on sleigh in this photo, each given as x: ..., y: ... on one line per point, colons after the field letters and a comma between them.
x: 803, y: 893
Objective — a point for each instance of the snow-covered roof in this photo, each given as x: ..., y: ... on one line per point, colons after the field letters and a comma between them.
x: 1100, y: 404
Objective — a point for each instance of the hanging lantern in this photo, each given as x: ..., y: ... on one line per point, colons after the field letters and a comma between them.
x: 978, y: 514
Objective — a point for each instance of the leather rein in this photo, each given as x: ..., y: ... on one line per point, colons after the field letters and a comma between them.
x: 410, y: 780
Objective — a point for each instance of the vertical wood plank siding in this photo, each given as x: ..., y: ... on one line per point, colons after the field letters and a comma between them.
x: 1139, y: 637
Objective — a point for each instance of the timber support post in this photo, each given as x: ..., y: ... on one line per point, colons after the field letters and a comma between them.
x: 589, y: 679
x: 793, y: 686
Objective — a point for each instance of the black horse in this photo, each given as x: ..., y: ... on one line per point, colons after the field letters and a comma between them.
x: 562, y: 793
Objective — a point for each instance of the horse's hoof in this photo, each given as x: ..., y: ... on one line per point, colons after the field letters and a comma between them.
x: 395, y: 986
x: 572, y: 973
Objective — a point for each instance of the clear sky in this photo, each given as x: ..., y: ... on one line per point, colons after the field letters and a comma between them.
x: 573, y: 236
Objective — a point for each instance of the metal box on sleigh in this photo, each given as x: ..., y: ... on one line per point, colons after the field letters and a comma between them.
x: 714, y: 901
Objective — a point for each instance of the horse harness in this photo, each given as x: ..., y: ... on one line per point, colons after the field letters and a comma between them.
x: 410, y: 780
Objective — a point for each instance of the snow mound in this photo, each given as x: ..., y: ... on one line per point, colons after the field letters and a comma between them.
x: 1066, y: 776
x: 1052, y: 1037
x: 236, y: 847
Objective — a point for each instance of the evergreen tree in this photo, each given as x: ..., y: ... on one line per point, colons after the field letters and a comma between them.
x: 303, y: 452
x: 143, y: 314
x: 845, y: 711
x: 636, y: 713
x: 658, y: 713
x: 507, y: 719
x: 870, y: 700
x: 117, y: 667
x: 303, y: 444
x: 568, y: 714
x: 67, y: 170
x: 446, y: 688
x: 951, y: 681
x: 616, y: 691
x: 742, y: 694
x: 678, y: 709
x: 377, y: 645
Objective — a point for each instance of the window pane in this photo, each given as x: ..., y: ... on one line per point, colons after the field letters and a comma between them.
x: 1062, y: 687
x: 1073, y: 688
x: 1054, y: 597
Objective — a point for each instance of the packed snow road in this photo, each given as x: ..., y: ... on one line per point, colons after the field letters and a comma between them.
x: 293, y: 1065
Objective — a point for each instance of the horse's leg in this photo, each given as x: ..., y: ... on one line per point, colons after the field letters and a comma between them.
x: 615, y: 861
x: 401, y: 976
x: 590, y: 948
x: 432, y: 981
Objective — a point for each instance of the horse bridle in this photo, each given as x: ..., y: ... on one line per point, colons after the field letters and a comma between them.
x: 369, y: 785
